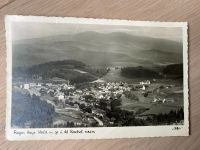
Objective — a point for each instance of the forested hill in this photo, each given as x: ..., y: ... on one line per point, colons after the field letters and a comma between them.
x: 139, y: 72
x: 72, y: 70
x: 30, y: 111
x: 173, y: 71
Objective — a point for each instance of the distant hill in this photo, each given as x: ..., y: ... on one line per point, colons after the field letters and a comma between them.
x: 95, y: 48
x: 72, y: 70
x: 161, y: 57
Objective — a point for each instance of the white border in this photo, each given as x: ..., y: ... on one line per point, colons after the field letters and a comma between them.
x: 100, y: 132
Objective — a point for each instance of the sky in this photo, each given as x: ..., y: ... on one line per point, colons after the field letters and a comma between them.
x: 29, y: 30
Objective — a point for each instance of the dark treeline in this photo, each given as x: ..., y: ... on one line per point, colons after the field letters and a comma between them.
x: 166, y: 119
x: 173, y: 71
x: 139, y: 72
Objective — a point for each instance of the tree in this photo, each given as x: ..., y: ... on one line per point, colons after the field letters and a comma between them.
x: 88, y: 109
x: 102, y: 104
x: 31, y: 111
x: 82, y: 106
x: 115, y: 103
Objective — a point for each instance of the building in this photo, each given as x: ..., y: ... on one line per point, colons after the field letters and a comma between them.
x: 34, y: 91
x: 157, y: 100
x: 143, y: 88
x: 39, y: 84
x: 32, y: 84
x: 60, y: 96
x: 49, y: 84
x: 26, y: 86
x: 168, y: 100
x: 147, y: 82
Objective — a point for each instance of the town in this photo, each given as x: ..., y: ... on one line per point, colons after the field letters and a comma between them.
x: 89, y: 104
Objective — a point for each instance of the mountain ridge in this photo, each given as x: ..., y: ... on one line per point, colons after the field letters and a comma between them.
x: 95, y: 45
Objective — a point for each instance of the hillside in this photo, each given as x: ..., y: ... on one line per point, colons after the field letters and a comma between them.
x: 95, y: 48
x: 173, y: 71
x: 72, y: 70
x: 30, y: 111
x: 139, y: 72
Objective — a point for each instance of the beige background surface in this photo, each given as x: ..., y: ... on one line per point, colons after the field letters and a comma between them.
x: 155, y: 10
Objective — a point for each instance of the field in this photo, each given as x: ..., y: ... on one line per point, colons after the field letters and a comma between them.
x: 145, y: 105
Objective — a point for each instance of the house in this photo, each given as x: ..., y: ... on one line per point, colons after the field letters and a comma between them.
x: 49, y: 84
x: 147, y: 82
x: 26, y: 86
x: 70, y: 87
x: 168, y: 100
x: 60, y: 96
x: 39, y: 84
x: 32, y: 84
x: 98, y: 112
x: 79, y: 91
x: 143, y: 88
x: 157, y: 100
x: 100, y: 96
x: 77, y: 123
x: 50, y: 91
x: 34, y: 91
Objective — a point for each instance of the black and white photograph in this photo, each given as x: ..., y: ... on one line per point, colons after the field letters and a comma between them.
x: 78, y: 73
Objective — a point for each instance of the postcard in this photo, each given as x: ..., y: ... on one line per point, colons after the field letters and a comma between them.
x: 84, y: 78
